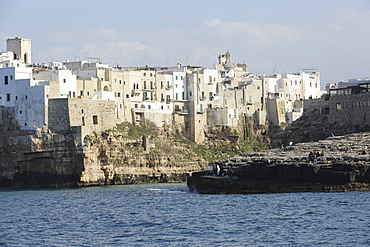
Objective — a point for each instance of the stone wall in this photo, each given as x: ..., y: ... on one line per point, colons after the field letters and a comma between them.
x: 325, y: 117
x: 350, y: 110
x: 92, y: 115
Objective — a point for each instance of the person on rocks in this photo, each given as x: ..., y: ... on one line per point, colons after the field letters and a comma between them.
x: 314, y: 157
x: 310, y: 156
x: 214, y: 170
x: 230, y: 172
x: 218, y: 170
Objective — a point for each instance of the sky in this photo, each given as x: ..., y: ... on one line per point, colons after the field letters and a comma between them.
x: 282, y: 36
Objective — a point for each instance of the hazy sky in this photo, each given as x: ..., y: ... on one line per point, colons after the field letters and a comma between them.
x: 332, y: 36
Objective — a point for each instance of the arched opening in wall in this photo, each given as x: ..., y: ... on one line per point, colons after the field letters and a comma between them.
x: 15, y: 56
x: 105, y: 88
x: 25, y: 58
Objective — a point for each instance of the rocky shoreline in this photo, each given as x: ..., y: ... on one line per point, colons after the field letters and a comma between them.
x: 344, y: 166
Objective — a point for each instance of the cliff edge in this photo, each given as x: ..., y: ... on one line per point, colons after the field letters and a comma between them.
x: 336, y: 164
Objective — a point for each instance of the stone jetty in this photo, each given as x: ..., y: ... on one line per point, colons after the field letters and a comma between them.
x: 339, y: 163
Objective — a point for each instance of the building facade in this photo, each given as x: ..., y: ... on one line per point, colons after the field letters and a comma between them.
x: 93, y: 96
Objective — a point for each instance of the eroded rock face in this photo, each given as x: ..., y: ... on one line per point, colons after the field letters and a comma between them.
x: 48, y: 159
x: 111, y: 159
x: 343, y: 164
x: 39, y: 158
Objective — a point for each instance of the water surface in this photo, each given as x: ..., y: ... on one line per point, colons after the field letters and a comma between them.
x: 167, y: 215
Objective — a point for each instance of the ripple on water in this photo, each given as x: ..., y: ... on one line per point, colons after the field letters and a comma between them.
x: 167, y: 215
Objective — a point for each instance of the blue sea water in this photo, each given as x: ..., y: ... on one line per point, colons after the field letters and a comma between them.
x: 168, y: 215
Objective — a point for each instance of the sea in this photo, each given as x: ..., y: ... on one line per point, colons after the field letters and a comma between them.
x: 169, y: 215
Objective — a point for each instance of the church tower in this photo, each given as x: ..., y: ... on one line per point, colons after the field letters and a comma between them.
x: 21, y: 49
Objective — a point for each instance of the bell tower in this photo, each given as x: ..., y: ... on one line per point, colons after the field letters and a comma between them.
x: 21, y: 49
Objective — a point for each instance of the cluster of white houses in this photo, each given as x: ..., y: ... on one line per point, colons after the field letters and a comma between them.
x: 94, y: 97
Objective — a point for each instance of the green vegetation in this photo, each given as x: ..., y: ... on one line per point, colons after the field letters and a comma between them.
x: 132, y: 132
x: 173, y: 144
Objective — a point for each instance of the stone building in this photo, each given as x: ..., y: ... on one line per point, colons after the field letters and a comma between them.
x: 350, y: 105
x: 192, y: 98
x: 21, y: 49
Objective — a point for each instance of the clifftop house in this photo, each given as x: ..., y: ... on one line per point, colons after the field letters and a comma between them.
x: 91, y: 96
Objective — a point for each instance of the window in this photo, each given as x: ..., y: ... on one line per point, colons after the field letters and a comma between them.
x: 144, y: 74
x: 338, y: 107
x: 8, y: 97
x: 20, y: 112
x: 64, y: 80
x: 183, y: 96
x: 144, y: 84
x: 177, y: 96
x: 115, y: 80
x: 176, y: 77
x: 6, y: 80
x: 118, y: 94
x: 127, y: 95
x: 95, y: 119
x: 83, y: 121
x: 82, y: 111
x: 161, y: 84
x: 120, y: 82
x: 81, y: 93
x: 151, y: 74
x: 11, y: 77
x: 16, y: 97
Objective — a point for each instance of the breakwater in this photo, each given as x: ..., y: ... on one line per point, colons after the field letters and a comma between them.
x: 340, y: 164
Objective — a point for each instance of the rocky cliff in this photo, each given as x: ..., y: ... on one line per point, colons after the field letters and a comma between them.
x: 343, y: 165
x: 42, y: 158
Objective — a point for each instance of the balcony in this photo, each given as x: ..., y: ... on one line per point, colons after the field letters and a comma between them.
x: 181, y: 111
x: 135, y: 91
